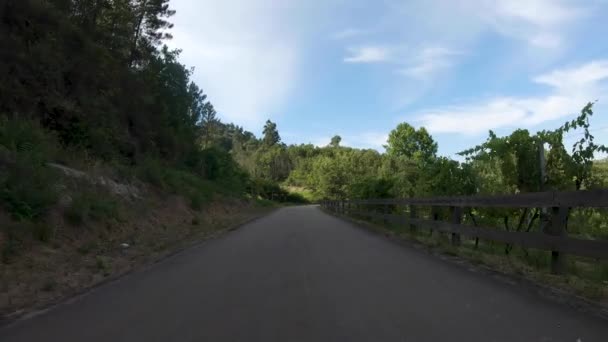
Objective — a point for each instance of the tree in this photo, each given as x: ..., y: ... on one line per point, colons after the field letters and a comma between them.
x: 335, y: 141
x: 272, y: 163
x: 408, y: 142
x: 583, y: 151
x: 271, y: 134
x: 209, y: 122
x: 149, y: 26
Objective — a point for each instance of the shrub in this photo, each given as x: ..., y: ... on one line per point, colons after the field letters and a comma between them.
x: 151, y: 171
x: 296, y: 198
x: 103, y: 264
x: 27, y: 137
x: 91, y: 206
x: 28, y: 189
x: 27, y: 185
x: 11, y: 245
x: 196, y: 200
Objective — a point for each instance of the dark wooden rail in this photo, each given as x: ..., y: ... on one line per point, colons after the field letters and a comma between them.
x: 553, y: 238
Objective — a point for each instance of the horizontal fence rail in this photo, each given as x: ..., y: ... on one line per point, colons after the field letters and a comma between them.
x: 553, y: 238
x: 588, y: 199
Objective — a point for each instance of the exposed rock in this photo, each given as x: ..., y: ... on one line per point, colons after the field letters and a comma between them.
x: 125, y: 190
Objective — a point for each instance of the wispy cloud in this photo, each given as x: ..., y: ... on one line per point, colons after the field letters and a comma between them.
x: 244, y: 59
x: 571, y: 89
x: 539, y: 22
x: 576, y: 77
x: 439, y: 33
x: 368, y: 54
x: 429, y: 61
x: 347, y: 33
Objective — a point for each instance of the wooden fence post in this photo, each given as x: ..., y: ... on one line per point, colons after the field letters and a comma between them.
x: 412, y: 216
x: 434, y: 216
x: 557, y: 227
x: 456, y: 218
x: 385, y: 217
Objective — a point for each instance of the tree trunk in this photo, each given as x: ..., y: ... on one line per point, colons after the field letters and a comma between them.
x: 140, y: 21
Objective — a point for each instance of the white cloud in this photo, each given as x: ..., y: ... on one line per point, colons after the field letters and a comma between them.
x: 571, y: 89
x: 540, y: 23
x: 368, y: 54
x: 577, y: 77
x: 244, y: 58
x: 541, y: 13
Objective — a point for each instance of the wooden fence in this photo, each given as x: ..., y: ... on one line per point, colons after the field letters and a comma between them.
x: 556, y: 206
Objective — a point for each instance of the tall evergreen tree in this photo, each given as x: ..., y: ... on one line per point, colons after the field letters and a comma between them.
x: 210, y: 123
x: 271, y: 134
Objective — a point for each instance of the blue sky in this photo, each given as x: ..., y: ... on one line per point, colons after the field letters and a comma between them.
x: 358, y: 68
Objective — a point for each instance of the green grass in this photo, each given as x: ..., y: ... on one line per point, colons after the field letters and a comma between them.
x: 103, y: 264
x: 264, y: 202
x: 197, y: 190
x: 96, y: 206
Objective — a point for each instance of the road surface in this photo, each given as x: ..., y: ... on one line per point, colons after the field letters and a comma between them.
x: 302, y: 275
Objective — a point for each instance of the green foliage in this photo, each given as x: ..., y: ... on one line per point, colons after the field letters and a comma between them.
x: 103, y: 264
x: 271, y: 163
x: 28, y: 190
x: 91, y: 79
x: 271, y: 134
x: 583, y: 150
x: 518, y: 156
x: 26, y: 183
x: 335, y: 141
x: 15, y: 235
x: 260, y: 187
x: 72, y: 64
x: 297, y: 198
x: 210, y: 171
x: 406, y: 141
x: 96, y: 206
x: 209, y: 124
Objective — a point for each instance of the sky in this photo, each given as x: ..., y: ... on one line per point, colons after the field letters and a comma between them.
x: 357, y: 68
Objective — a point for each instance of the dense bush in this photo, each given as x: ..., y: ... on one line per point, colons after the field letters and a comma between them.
x: 27, y: 184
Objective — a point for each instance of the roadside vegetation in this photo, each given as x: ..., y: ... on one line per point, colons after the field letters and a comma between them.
x: 583, y: 277
x: 110, y: 155
x: 110, y: 152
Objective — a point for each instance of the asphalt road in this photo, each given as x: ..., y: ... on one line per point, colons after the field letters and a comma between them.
x: 302, y: 275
